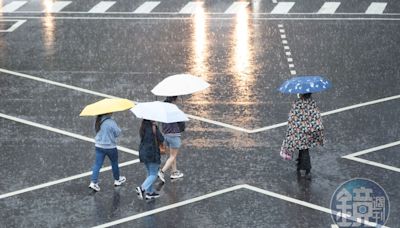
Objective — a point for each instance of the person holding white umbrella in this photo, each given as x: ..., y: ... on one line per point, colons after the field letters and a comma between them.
x: 172, y: 134
x: 151, y: 139
x: 149, y: 154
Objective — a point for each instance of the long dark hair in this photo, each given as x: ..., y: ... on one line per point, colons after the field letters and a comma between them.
x: 97, y: 123
x: 171, y: 99
x: 145, y: 123
x: 305, y: 96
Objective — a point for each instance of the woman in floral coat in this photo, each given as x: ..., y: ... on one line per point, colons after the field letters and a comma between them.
x: 305, y: 130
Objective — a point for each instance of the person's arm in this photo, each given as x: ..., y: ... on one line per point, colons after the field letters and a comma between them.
x: 115, y: 129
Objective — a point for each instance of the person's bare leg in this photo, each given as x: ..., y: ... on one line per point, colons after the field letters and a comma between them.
x: 171, y: 159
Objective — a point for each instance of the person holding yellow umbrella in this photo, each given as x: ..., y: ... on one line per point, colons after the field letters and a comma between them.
x: 107, y: 132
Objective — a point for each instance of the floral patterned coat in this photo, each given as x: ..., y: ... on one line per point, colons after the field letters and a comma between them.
x: 305, y: 128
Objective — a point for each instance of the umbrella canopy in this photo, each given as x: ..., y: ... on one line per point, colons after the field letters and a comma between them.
x: 159, y: 111
x: 107, y: 105
x: 305, y: 84
x: 180, y: 84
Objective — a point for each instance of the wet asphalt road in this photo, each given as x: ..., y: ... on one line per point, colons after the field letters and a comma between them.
x: 244, y: 61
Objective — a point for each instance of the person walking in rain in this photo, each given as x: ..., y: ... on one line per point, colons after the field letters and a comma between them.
x: 305, y: 130
x: 149, y: 154
x: 107, y: 132
x: 172, y: 134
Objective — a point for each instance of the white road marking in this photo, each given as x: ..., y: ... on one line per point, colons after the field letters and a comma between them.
x: 286, y: 47
x: 329, y: 8
x: 209, y: 18
x: 274, y: 1
x: 334, y: 226
x: 201, y: 118
x: 291, y: 65
x: 236, y: 7
x: 290, y: 60
x: 282, y: 30
x: 373, y: 149
x: 368, y: 162
x: 13, y: 6
x: 101, y: 7
x: 55, y: 83
x: 52, y: 129
x: 376, y: 8
x: 284, y: 42
x: 147, y: 7
x: 191, y: 7
x: 63, y: 180
x: 13, y: 27
x: 283, y: 36
x: 288, y: 53
x: 293, y: 72
x: 227, y: 190
x: 57, y: 6
x: 282, y: 8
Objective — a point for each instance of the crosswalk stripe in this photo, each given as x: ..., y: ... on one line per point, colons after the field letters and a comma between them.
x: 282, y: 8
x: 55, y: 7
x: 11, y: 7
x: 236, y: 7
x: 376, y: 8
x: 329, y: 8
x: 191, y: 7
x: 146, y: 7
x: 101, y: 7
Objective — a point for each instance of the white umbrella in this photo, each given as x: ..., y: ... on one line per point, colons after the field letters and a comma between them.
x: 180, y: 84
x: 159, y: 111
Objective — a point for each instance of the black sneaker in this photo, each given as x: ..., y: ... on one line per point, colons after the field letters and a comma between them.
x: 152, y: 195
x: 140, y: 192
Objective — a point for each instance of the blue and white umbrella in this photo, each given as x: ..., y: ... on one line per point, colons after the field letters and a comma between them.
x: 305, y: 84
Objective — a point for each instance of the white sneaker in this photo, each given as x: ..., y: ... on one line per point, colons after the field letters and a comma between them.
x: 94, y: 186
x: 161, y: 176
x: 177, y: 174
x: 119, y: 182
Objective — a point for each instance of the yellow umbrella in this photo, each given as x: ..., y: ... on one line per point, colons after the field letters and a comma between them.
x: 107, y: 105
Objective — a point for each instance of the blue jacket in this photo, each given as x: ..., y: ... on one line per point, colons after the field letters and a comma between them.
x: 108, y: 133
x: 149, y: 152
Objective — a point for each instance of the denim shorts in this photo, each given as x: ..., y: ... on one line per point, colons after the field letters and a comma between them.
x: 173, y: 142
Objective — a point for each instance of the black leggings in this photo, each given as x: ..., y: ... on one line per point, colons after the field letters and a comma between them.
x: 303, y: 161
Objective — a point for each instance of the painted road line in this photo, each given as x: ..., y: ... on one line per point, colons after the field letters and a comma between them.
x: 191, y: 8
x: 146, y: 7
x: 8, y: 72
x: 376, y: 164
x: 59, y: 131
x: 218, y: 123
x: 333, y: 112
x: 171, y: 206
x: 13, y: 6
x: 14, y: 26
x: 57, y: 6
x: 236, y: 7
x: 381, y: 147
x: 55, y: 83
x: 63, y: 180
x: 101, y: 7
x: 376, y: 8
x: 227, y: 190
x: 358, y: 18
x: 309, y: 205
x: 282, y: 8
x: 361, y: 105
x: 329, y: 8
